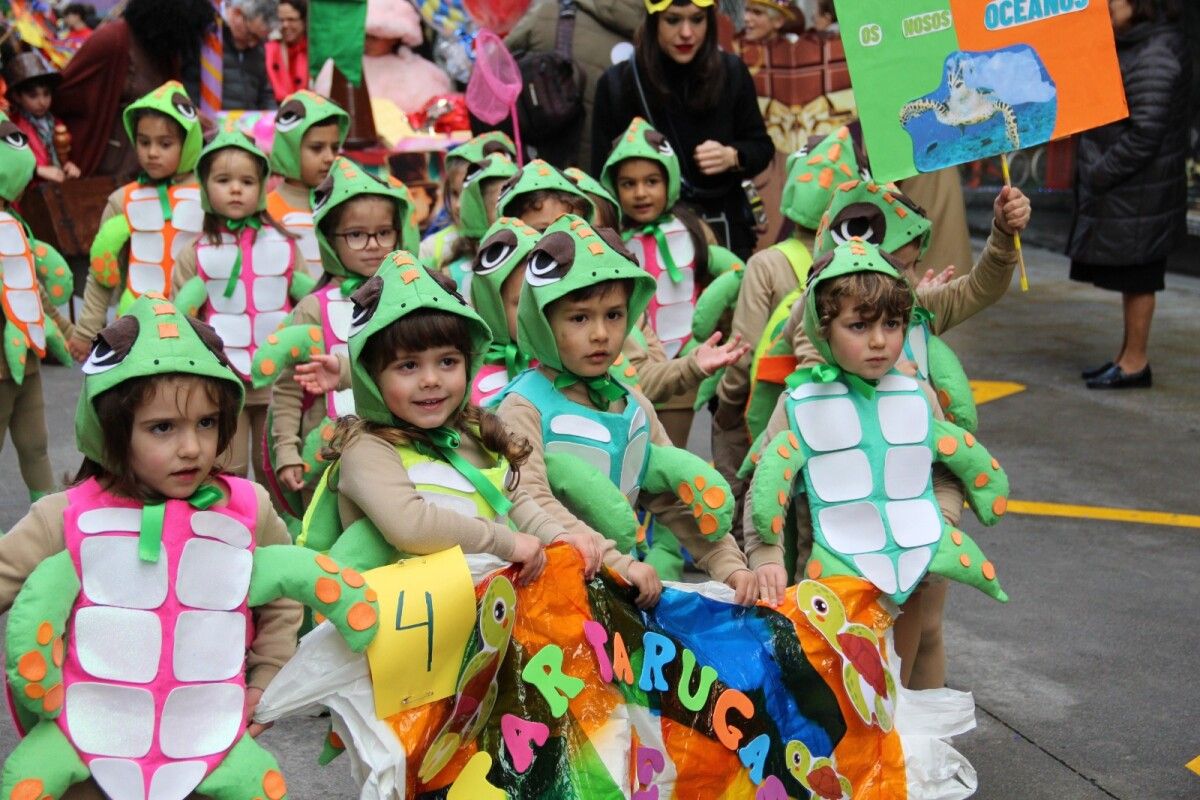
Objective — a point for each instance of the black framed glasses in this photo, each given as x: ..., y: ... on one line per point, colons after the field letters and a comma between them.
x: 358, y: 240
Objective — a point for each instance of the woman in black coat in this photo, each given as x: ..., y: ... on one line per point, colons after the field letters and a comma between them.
x: 703, y: 101
x: 1130, y: 184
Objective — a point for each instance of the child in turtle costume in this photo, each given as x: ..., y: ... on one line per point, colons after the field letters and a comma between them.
x: 148, y: 222
x: 436, y: 247
x: 540, y: 193
x: 866, y: 450
x: 570, y: 408
x: 299, y: 424
x: 477, y: 211
x: 149, y: 609
x: 309, y: 133
x: 241, y: 277
x: 33, y: 326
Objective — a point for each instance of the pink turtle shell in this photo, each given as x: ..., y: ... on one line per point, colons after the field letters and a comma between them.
x: 154, y: 673
x: 674, y: 304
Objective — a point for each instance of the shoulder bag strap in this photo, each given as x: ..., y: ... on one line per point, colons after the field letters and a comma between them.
x: 565, y: 32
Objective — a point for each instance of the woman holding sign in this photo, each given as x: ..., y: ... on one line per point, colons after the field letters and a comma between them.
x: 702, y: 100
x: 1130, y: 187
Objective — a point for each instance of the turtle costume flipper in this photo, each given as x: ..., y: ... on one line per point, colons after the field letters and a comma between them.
x: 16, y: 347
x: 302, y: 285
x: 192, y: 296
x: 286, y: 347
x: 363, y: 547
x: 718, y: 297
x: 34, y: 638
x: 112, y: 237
x: 53, y: 271
x: 56, y: 344
x: 590, y: 495
x: 953, y: 389
x: 247, y: 772
x: 697, y: 485
x: 959, y: 558
x: 43, y: 764
x: 984, y: 481
x: 340, y: 594
x: 722, y: 260
x: 771, y: 492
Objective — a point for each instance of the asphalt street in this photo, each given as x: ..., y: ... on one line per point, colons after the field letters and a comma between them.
x: 1085, y: 683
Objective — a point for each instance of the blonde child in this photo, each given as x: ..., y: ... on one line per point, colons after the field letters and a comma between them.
x: 36, y: 326
x: 148, y: 222
x: 241, y: 276
x: 184, y: 614
x: 582, y: 291
x: 309, y: 132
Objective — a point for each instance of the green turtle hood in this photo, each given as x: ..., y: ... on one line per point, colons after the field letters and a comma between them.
x: 230, y: 136
x: 591, y: 186
x: 879, y: 213
x: 297, y: 114
x: 536, y: 176
x: 503, y: 248
x: 401, y: 287
x: 472, y: 215
x: 347, y: 180
x: 850, y: 256
x: 572, y: 255
x: 172, y: 100
x: 152, y: 338
x: 641, y: 140
x: 476, y: 149
x: 812, y: 175
x: 17, y: 161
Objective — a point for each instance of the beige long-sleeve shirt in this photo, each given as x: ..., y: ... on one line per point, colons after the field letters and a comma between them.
x: 97, y: 298
x: 39, y: 535
x: 946, y: 489
x: 662, y: 379
x: 372, y: 482
x: 719, y: 559
x: 768, y: 279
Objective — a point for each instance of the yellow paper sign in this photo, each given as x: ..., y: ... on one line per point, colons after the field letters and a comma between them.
x: 426, y: 615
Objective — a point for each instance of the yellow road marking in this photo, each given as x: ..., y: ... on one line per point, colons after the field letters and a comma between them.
x: 987, y: 391
x: 1109, y: 514
x: 1194, y: 765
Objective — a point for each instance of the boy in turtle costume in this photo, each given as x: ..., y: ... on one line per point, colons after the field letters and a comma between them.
x: 583, y: 292
x: 309, y: 133
x: 32, y: 324
x: 299, y: 425
x: 148, y: 222
x: 539, y: 194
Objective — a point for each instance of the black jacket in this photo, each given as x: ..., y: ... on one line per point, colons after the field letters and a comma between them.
x: 1130, y: 185
x: 736, y: 121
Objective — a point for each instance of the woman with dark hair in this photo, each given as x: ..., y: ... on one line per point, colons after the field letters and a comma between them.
x: 121, y: 61
x: 287, y: 56
x: 702, y: 100
x: 1130, y: 184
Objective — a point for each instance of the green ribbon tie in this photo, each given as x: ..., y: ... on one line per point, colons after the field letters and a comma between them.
x: 240, y: 228
x: 828, y: 373
x: 513, y: 359
x: 150, y: 534
x: 602, y: 390
x: 350, y: 284
x: 921, y: 316
x: 445, y: 443
x: 164, y: 196
x: 655, y: 229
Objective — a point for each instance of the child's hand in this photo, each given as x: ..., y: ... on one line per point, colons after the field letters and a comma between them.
x: 319, y: 375
x: 70, y: 170
x: 745, y: 587
x: 930, y: 280
x: 711, y: 357
x: 587, y: 547
x: 51, y: 173
x: 645, y: 578
x: 528, y: 552
x: 292, y: 477
x: 79, y: 348
x: 1011, y: 210
x: 906, y: 367
x: 772, y: 582
x: 253, y: 695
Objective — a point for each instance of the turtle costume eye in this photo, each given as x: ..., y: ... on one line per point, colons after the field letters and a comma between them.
x: 572, y: 255
x: 504, y: 248
x: 346, y: 181
x: 17, y: 161
x: 172, y: 101
x: 298, y: 113
x: 880, y: 214
x: 402, y: 287
x: 153, y: 338
x: 858, y: 220
x: 641, y: 140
